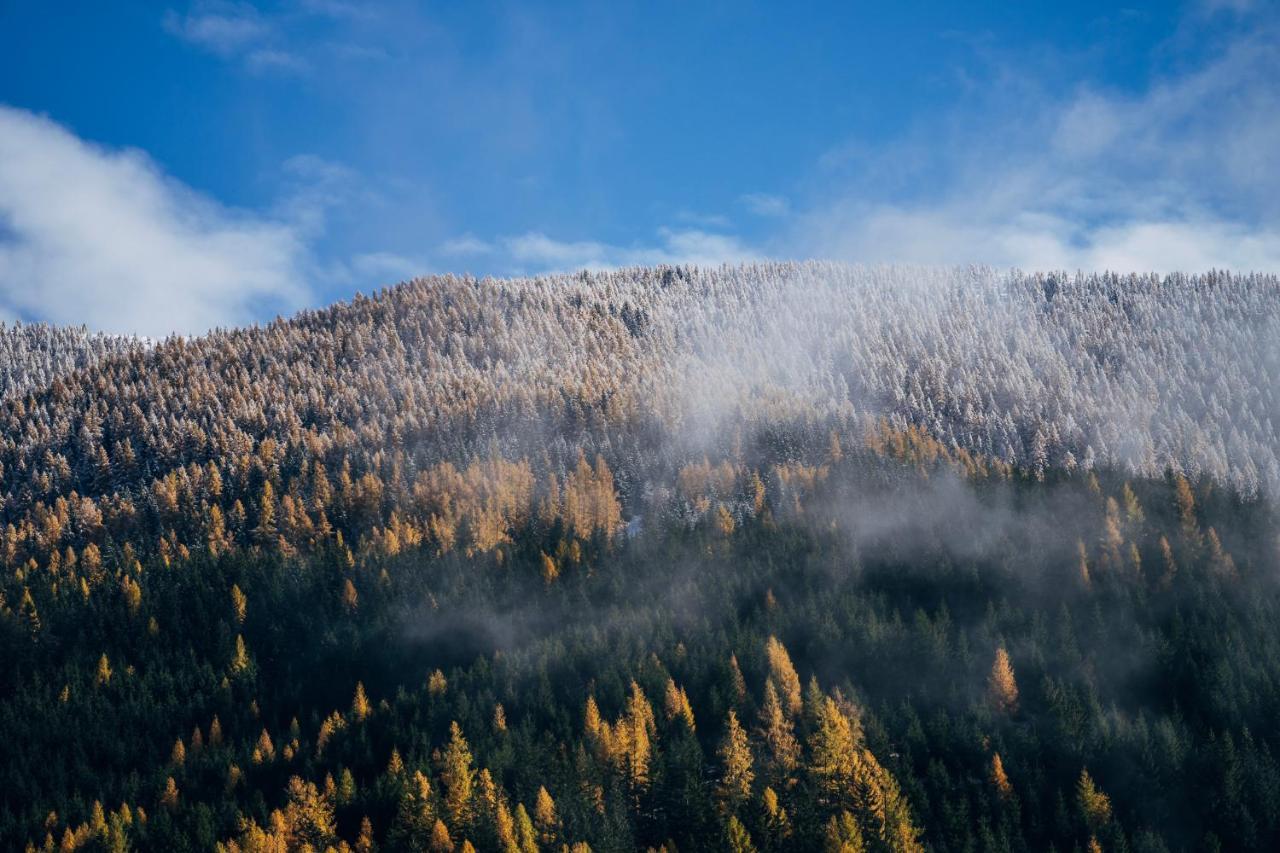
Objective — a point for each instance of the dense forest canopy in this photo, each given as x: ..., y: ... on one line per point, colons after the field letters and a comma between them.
x: 32, y: 354
x: 767, y: 557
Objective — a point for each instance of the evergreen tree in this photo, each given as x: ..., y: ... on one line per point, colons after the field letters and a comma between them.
x: 843, y: 835
x: 736, y: 776
x: 783, y: 674
x: 782, y: 750
x: 737, y: 839
x: 457, y: 776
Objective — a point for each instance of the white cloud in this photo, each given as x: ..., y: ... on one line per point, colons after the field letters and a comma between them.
x: 224, y: 29
x: 763, y: 204
x: 1179, y: 176
x: 949, y: 234
x: 380, y: 268
x: 536, y: 252
x: 702, y: 220
x: 234, y: 31
x: 1239, y: 7
x: 543, y: 252
x: 1193, y: 245
x: 89, y: 235
x: 316, y: 187
x: 367, y: 271
x: 467, y: 244
x: 267, y: 59
x: 338, y: 10
x: 703, y: 248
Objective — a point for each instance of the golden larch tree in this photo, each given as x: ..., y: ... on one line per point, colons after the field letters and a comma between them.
x: 457, y: 775
x: 676, y: 705
x: 736, y: 777
x: 239, y: 604
x: 440, y: 840
x: 1185, y: 504
x: 240, y: 657
x: 843, y: 835
x: 833, y: 753
x: 784, y: 675
x: 999, y: 779
x: 1094, y: 804
x: 545, y: 818
x: 1002, y: 689
x: 360, y: 704
x: 736, y: 837
x: 776, y: 731
x: 103, y: 675
x: 169, y: 796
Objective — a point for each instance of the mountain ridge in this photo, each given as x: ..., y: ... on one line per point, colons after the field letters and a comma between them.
x: 766, y: 557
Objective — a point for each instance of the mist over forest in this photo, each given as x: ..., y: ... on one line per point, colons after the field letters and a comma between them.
x: 576, y: 427
x: 778, y: 556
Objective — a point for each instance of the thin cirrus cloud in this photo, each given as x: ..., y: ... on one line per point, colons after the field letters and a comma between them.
x: 234, y: 31
x: 225, y: 32
x: 535, y: 252
x: 468, y: 245
x: 101, y: 236
x: 1181, y: 176
x: 764, y: 204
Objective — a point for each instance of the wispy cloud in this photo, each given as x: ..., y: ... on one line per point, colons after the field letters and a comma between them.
x: 224, y: 29
x: 105, y: 237
x: 764, y: 204
x: 373, y: 269
x: 715, y: 221
x: 466, y: 245
x: 1182, y: 175
x: 1179, y: 174
x: 1238, y: 7
x: 267, y: 59
x: 339, y: 10
x: 535, y: 252
x: 234, y: 31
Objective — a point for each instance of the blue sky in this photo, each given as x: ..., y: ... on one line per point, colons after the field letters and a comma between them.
x: 176, y: 167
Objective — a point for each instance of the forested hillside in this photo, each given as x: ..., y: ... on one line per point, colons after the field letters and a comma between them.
x: 31, y: 355
x: 773, y: 557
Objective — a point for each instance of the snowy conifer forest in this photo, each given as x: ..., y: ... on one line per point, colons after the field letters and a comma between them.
x: 32, y: 355
x: 775, y: 556
x: 1146, y: 373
